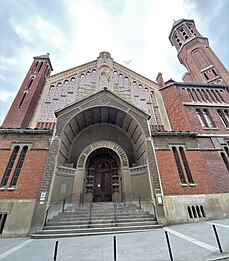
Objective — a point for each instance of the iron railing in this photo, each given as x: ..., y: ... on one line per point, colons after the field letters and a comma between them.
x: 126, y: 198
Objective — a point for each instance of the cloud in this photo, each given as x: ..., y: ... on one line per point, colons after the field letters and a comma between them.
x: 75, y: 32
x: 22, y: 32
x: 36, y: 30
x: 5, y: 96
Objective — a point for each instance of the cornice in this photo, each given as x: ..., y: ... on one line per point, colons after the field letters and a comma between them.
x: 136, y: 76
x: 25, y: 131
x: 71, y: 72
x: 175, y: 133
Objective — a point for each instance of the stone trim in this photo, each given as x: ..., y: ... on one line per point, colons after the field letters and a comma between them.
x: 153, y: 168
x: 202, y: 85
x: 50, y: 167
x: 102, y: 144
x: 24, y: 131
x: 175, y: 133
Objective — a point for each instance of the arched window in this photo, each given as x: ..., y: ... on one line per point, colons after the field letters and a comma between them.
x: 206, y: 76
x: 22, y: 99
x: 30, y: 82
x: 201, y: 95
x: 212, y: 96
x: 35, y: 66
x: 219, y: 95
x: 10, y: 166
x: 178, y: 163
x: 185, y: 163
x: 225, y: 160
x: 196, y: 94
x: 208, y: 119
x: 201, y: 118
x: 19, y: 166
x: 191, y: 95
x: 40, y: 65
x: 223, y: 118
x: 208, y: 98
x: 226, y: 150
x: 214, y: 72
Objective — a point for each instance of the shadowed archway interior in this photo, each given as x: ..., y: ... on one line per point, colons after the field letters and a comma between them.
x: 102, y: 175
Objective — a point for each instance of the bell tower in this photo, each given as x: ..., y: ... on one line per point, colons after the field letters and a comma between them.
x: 196, y: 55
x: 23, y: 106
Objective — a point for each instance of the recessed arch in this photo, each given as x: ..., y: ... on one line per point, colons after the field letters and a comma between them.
x: 106, y: 115
x: 102, y: 144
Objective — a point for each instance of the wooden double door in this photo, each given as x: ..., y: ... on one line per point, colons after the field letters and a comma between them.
x: 102, y: 191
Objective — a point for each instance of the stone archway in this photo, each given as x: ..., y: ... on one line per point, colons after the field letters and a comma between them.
x: 97, y: 182
x: 102, y: 144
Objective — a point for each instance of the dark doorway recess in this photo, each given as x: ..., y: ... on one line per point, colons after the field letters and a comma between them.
x: 102, y: 173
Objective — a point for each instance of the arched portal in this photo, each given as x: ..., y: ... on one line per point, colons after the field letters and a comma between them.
x: 102, y: 175
x: 102, y: 121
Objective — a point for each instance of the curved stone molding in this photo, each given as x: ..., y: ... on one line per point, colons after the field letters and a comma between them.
x: 143, y: 122
x: 102, y: 144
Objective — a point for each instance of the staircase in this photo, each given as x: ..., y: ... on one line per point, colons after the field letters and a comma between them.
x: 97, y: 219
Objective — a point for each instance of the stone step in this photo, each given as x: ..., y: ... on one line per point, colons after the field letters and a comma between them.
x: 100, y: 217
x: 65, y: 214
x: 98, y: 225
x: 68, y: 212
x: 90, y: 231
x: 75, y: 221
x: 134, y: 211
x: 101, y: 221
x: 76, y: 208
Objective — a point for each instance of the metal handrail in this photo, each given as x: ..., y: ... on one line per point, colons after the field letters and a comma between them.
x: 141, y: 199
x: 55, y: 203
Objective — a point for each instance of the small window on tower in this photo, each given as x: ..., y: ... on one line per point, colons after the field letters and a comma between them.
x: 40, y: 65
x: 207, y: 78
x: 30, y: 83
x: 22, y: 100
x: 35, y: 66
x: 214, y: 72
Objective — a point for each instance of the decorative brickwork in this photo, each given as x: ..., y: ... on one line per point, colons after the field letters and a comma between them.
x: 51, y: 164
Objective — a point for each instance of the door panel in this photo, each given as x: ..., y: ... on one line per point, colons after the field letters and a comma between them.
x: 102, y: 182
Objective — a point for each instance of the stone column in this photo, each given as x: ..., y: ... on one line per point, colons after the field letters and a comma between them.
x: 155, y: 182
x: 126, y: 181
x: 47, y: 186
x: 78, y: 186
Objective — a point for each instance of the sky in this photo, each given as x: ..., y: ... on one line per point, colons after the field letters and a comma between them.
x: 74, y: 32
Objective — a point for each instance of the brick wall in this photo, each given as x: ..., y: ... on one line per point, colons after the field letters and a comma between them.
x: 170, y: 177
x: 217, y: 171
x: 196, y: 125
x: 28, y: 184
x: 30, y: 178
x: 183, y: 117
x: 174, y: 108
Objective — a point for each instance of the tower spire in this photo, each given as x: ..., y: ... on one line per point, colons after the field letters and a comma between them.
x: 23, y: 106
x: 196, y: 55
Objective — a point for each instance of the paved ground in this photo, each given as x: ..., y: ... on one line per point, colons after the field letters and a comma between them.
x: 194, y: 242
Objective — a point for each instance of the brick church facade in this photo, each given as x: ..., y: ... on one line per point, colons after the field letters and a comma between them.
x: 101, y: 132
